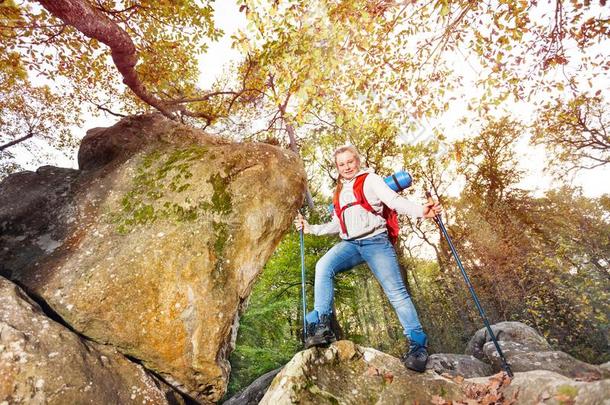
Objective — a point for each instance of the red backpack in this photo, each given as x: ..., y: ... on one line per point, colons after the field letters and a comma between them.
x: 390, y: 215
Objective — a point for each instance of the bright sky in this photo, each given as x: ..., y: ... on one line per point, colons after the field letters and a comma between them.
x: 229, y: 19
x: 219, y: 55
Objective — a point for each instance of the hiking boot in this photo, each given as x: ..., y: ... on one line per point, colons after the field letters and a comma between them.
x: 416, y: 359
x: 320, y: 334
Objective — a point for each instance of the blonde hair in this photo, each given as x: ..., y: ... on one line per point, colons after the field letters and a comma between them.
x: 341, y: 149
x: 347, y: 148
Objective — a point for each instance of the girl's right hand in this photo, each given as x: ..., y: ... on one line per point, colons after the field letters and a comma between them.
x: 301, y: 223
x: 432, y: 209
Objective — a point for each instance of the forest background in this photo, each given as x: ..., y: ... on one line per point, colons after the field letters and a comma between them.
x: 473, y: 98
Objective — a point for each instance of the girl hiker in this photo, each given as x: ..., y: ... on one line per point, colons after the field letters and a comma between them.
x: 360, y: 220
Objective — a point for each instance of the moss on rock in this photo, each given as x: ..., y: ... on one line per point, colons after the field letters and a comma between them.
x: 162, y: 177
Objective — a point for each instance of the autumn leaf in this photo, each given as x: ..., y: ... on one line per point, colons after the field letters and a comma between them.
x: 564, y: 399
x: 388, y: 377
x: 436, y: 400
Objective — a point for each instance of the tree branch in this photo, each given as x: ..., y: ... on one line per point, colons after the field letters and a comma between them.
x: 206, y: 96
x: 107, y: 110
x: 93, y: 24
x: 16, y: 141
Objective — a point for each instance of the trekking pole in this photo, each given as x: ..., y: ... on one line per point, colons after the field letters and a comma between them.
x: 303, y: 297
x: 440, y: 224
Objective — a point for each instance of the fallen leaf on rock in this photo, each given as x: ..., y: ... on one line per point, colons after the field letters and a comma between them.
x: 588, y: 377
x: 491, y: 392
x: 564, y: 399
x: 372, y: 371
x: 495, y: 382
x: 388, y: 377
x: 436, y: 400
x: 492, y: 399
x: 473, y: 390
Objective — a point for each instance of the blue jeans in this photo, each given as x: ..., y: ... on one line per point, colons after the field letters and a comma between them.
x: 380, y: 256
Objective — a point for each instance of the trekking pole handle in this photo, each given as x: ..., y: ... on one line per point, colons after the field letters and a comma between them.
x: 431, y: 201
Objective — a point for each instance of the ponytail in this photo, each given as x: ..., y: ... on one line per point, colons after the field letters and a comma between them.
x: 338, y: 188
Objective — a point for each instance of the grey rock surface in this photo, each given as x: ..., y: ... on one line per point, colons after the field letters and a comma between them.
x: 253, y: 393
x: 345, y: 373
x: 529, y: 339
x: 556, y: 361
x: 458, y: 364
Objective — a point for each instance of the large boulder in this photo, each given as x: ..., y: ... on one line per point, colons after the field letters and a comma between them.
x: 525, y: 350
x: 36, y: 214
x: 154, y: 245
x: 348, y: 374
x: 526, y: 336
x: 43, y: 362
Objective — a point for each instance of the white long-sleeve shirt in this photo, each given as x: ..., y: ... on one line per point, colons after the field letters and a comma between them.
x: 359, y: 222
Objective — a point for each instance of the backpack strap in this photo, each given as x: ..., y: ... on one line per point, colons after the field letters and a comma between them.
x: 390, y: 215
x: 359, y: 193
x: 360, y: 200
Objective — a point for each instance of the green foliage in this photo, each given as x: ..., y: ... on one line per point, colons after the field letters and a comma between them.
x: 25, y: 117
x: 490, y: 163
x: 333, y: 63
x: 270, y: 330
x: 163, y: 34
x: 542, y: 261
x: 437, y: 312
